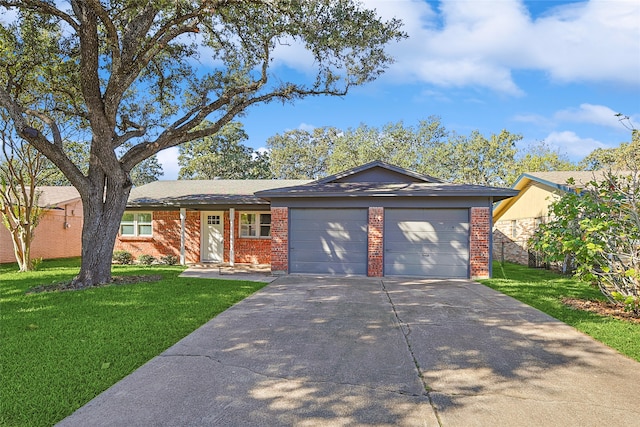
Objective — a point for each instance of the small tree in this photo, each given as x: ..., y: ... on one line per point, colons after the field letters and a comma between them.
x: 600, y: 228
x: 20, y: 168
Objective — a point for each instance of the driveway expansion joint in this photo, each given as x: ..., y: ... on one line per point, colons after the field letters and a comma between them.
x: 406, y: 331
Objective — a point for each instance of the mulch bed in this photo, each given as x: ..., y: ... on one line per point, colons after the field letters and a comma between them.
x: 603, y: 308
x: 115, y: 280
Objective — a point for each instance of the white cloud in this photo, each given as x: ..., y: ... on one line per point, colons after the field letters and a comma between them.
x: 570, y: 143
x: 593, y: 114
x: 168, y: 158
x: 592, y: 41
x: 294, y: 54
x: 307, y: 127
x: 480, y: 43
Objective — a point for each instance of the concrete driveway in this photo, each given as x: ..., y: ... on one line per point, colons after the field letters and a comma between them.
x: 308, y: 351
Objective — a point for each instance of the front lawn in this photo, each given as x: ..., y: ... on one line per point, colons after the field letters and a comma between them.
x: 544, y: 290
x: 58, y: 350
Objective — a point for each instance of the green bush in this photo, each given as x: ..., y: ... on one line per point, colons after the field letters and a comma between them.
x: 169, y: 259
x: 146, y: 259
x: 123, y: 257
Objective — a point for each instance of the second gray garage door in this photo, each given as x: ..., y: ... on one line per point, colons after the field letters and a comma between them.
x: 328, y: 241
x: 426, y: 242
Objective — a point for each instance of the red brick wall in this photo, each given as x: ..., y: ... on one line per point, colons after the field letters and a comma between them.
x: 280, y: 240
x: 375, y: 242
x: 166, y: 237
x: 246, y: 250
x: 480, y: 242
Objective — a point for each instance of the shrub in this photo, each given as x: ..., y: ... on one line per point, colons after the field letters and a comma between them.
x: 122, y: 257
x: 169, y: 259
x: 36, y: 263
x: 600, y: 229
x: 146, y: 259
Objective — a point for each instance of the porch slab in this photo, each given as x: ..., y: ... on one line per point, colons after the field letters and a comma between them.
x: 250, y: 272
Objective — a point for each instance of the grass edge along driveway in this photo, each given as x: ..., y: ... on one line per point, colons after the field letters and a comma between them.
x: 544, y: 290
x: 58, y: 350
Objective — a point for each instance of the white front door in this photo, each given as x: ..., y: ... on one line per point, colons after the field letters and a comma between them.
x: 212, y: 236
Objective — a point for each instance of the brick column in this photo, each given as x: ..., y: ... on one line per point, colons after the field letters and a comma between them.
x: 279, y: 240
x: 480, y: 243
x: 375, y: 242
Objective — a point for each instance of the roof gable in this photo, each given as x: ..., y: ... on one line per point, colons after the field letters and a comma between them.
x: 377, y: 171
x: 554, y: 182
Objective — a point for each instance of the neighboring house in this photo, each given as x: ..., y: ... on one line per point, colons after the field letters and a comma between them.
x: 59, y: 232
x: 372, y: 220
x: 516, y: 219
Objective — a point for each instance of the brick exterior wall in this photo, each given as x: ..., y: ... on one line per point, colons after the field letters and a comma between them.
x: 375, y: 249
x: 280, y: 240
x: 51, y: 238
x: 510, y: 239
x: 166, y: 237
x: 246, y: 250
x: 479, y: 256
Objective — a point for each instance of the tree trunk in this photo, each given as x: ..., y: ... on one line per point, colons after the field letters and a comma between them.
x: 102, y: 217
x: 22, y: 248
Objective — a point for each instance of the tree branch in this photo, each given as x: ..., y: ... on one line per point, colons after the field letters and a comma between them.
x: 53, y: 152
x: 42, y: 6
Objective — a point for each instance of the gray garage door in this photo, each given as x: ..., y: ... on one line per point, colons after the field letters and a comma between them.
x: 426, y: 242
x: 328, y: 241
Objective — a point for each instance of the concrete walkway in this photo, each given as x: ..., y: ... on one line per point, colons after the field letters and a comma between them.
x: 308, y: 351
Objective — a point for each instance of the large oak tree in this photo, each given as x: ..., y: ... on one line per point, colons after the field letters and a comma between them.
x: 136, y: 77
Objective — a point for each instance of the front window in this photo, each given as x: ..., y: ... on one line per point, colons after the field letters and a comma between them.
x: 136, y: 224
x: 255, y: 225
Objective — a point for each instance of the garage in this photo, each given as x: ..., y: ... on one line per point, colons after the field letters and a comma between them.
x: 381, y: 220
x: 431, y: 243
x: 328, y: 241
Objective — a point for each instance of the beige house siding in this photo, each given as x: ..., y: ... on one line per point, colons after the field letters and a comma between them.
x: 51, y: 238
x: 515, y: 227
x: 532, y: 202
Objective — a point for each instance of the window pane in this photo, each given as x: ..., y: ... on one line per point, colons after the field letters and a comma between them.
x: 265, y: 219
x: 144, y: 217
x: 144, y: 230
x: 127, y: 230
x: 127, y: 217
x: 247, y: 231
x: 247, y: 218
x: 265, y: 231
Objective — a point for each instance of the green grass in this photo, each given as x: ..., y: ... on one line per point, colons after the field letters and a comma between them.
x: 544, y: 290
x: 58, y: 350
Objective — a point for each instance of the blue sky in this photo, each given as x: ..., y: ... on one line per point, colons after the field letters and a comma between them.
x: 556, y: 71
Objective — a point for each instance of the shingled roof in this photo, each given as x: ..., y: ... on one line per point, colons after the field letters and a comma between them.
x: 383, y: 189
x: 200, y: 193
x: 380, y: 179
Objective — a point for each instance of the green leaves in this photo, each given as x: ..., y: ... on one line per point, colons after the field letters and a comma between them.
x: 600, y: 230
x: 222, y: 156
x: 427, y: 148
